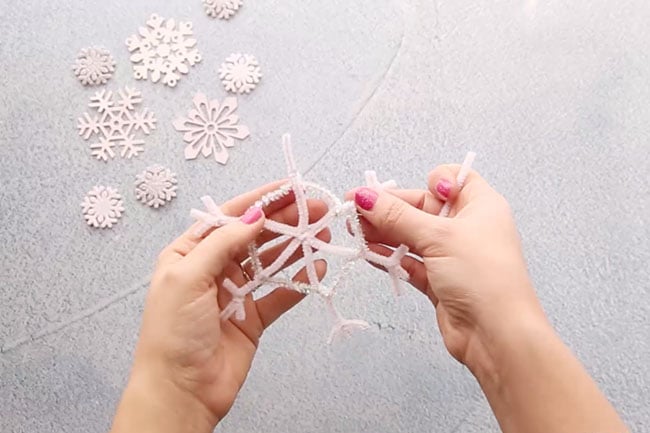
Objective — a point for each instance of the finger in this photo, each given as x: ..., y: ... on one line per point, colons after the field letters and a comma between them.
x: 211, y: 255
x: 269, y: 255
x: 442, y: 182
x: 419, y: 198
x: 415, y: 268
x: 289, y: 215
x: 473, y: 187
x: 282, y: 299
x: 183, y: 244
x: 441, y: 179
x: 397, y: 222
x: 180, y: 246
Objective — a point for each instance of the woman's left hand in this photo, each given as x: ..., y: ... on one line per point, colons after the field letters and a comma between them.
x: 189, y: 365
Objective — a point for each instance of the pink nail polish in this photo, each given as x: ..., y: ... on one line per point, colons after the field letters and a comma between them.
x: 365, y: 198
x: 252, y: 215
x: 443, y: 187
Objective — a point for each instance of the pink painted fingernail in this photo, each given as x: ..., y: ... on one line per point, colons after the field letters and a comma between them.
x: 365, y: 198
x: 252, y: 214
x: 443, y: 187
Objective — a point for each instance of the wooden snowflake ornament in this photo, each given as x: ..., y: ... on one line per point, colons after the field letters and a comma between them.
x: 303, y: 237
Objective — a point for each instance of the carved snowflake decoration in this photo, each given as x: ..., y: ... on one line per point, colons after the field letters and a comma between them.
x: 303, y: 238
x: 94, y: 66
x: 223, y: 9
x: 164, y: 50
x: 102, y: 207
x: 240, y: 73
x: 115, y: 123
x: 155, y: 186
x: 211, y: 128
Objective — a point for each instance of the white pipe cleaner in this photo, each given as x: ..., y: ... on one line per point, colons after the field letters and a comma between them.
x: 303, y: 237
x: 460, y: 180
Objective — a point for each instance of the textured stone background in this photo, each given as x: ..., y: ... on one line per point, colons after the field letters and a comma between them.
x: 553, y: 95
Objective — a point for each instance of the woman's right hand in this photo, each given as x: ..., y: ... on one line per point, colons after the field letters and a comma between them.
x: 471, y: 266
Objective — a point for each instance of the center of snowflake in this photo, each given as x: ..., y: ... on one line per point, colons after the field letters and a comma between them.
x: 94, y: 64
x: 210, y: 128
x: 103, y: 206
x: 163, y: 50
x: 240, y: 70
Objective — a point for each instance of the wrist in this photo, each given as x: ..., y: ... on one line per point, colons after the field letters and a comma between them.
x: 152, y: 402
x: 500, y: 339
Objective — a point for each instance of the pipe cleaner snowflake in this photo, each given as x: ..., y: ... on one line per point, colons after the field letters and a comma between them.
x: 303, y: 237
x: 165, y: 49
x: 115, y: 122
x: 155, y: 186
x: 240, y: 73
x: 211, y: 128
x: 223, y: 9
x: 102, y: 207
x: 94, y: 66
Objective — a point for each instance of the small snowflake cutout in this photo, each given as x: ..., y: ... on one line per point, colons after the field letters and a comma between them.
x: 223, y: 9
x: 94, y: 66
x: 240, y: 73
x: 155, y: 186
x: 163, y: 50
x: 115, y: 122
x: 102, y: 207
x: 211, y: 128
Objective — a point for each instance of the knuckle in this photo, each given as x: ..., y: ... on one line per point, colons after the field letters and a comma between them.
x: 169, y: 276
x: 394, y: 214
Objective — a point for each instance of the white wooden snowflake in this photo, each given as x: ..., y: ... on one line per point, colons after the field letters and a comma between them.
x: 115, y: 123
x: 94, y: 66
x: 155, y: 186
x: 164, y: 50
x: 302, y: 237
x: 223, y: 9
x: 211, y: 128
x: 102, y: 207
x: 240, y: 73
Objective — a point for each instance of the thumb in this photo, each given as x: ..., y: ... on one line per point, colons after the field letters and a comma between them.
x: 211, y: 256
x: 395, y: 221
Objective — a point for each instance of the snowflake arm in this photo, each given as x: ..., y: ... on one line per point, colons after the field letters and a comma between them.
x: 103, y: 150
x: 128, y: 98
x: 144, y: 120
x: 373, y: 182
x: 88, y: 125
x: 131, y: 147
x: 102, y: 101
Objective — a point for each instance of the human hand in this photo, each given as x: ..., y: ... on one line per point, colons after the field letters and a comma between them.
x: 189, y: 365
x: 472, y: 268
x: 470, y: 265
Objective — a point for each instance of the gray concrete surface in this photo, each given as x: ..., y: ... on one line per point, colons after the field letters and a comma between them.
x: 553, y: 95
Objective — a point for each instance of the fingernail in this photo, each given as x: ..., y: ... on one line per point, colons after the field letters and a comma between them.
x: 365, y: 198
x: 252, y: 214
x: 443, y: 187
